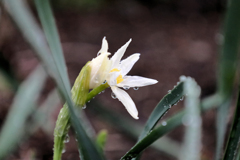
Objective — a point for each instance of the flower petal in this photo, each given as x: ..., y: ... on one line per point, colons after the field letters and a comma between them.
x: 127, y: 64
x: 126, y: 101
x: 118, y: 55
x: 112, y: 78
x: 136, y: 81
x: 104, y: 46
x: 99, y: 69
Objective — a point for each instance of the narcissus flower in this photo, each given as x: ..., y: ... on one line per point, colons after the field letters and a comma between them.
x: 117, y: 77
x: 100, y: 66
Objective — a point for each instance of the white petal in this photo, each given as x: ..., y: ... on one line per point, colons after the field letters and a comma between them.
x: 127, y: 64
x: 104, y: 46
x: 119, y: 54
x: 136, y: 81
x: 126, y: 101
x: 99, y: 69
x: 112, y: 78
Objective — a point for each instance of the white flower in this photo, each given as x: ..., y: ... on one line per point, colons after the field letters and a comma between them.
x: 117, y: 78
x: 100, y: 66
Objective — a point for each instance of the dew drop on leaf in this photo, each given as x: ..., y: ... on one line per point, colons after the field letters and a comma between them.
x: 164, y: 123
x: 67, y: 139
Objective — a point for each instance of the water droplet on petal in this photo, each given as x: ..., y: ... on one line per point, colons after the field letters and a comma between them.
x: 126, y: 87
x: 164, y: 123
x: 169, y: 91
x: 113, y: 95
x: 135, y: 88
x: 84, y: 107
x: 103, y: 91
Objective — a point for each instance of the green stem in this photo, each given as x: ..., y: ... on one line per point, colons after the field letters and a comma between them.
x: 79, y: 97
x: 60, y: 131
x: 96, y: 91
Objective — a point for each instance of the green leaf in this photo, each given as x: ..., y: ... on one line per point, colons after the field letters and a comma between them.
x: 153, y: 136
x: 229, y: 53
x: 232, y: 150
x: 173, y: 122
x: 23, y: 105
x: 162, y: 107
x: 227, y: 68
x: 131, y: 128
x: 101, y: 139
x: 42, y: 116
x: 221, y: 126
x: 51, y: 33
x: 22, y: 16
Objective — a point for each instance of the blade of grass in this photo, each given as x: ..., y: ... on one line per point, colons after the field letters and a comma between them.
x: 23, y: 105
x: 232, y: 149
x: 131, y: 128
x: 191, y: 149
x: 47, y: 20
x: 173, y: 122
x: 221, y: 126
x: 229, y: 53
x: 27, y: 25
x: 42, y: 116
x: 227, y: 68
x: 162, y: 107
x: 50, y: 29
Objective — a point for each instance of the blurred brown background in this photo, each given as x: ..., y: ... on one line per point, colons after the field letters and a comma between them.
x: 174, y: 37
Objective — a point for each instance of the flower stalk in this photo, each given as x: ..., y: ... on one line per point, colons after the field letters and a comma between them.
x: 79, y: 91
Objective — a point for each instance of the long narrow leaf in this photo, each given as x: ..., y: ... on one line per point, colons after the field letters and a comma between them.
x: 131, y: 128
x: 23, y: 105
x: 229, y: 54
x: 25, y: 21
x: 50, y: 30
x: 227, y: 68
x: 173, y: 122
x: 221, y: 126
x: 162, y: 107
x: 234, y: 137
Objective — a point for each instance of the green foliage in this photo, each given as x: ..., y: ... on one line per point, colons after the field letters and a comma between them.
x: 232, y: 150
x: 23, y: 105
x: 51, y: 56
x: 101, y: 139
